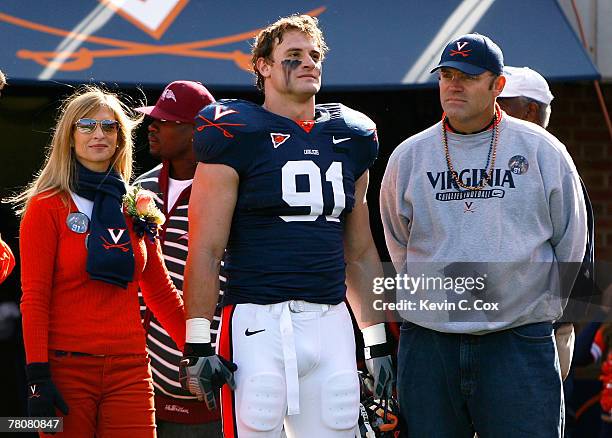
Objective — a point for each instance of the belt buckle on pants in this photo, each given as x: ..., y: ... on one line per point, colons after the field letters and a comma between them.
x: 296, y: 306
x: 299, y: 306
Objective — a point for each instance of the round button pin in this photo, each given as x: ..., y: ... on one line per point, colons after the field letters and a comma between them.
x: 78, y: 222
x: 518, y: 165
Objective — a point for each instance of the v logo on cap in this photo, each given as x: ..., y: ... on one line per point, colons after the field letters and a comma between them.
x: 460, y: 51
x: 168, y: 94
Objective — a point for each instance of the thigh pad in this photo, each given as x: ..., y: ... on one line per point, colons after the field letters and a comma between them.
x: 263, y: 401
x: 340, y: 400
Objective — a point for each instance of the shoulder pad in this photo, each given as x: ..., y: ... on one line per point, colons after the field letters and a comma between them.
x: 220, y: 128
x: 358, y: 122
x: 229, y: 116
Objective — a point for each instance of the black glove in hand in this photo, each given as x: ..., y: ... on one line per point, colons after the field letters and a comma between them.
x: 380, y: 367
x: 203, y: 373
x: 43, y: 396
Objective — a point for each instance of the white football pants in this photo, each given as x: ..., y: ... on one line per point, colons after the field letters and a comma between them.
x: 296, y: 365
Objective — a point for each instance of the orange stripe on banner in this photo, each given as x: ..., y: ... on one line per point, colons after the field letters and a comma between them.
x: 228, y: 403
x: 84, y: 57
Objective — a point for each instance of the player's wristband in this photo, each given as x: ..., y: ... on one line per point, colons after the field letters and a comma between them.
x: 197, y: 331
x: 200, y: 350
x: 374, y: 335
x: 379, y: 350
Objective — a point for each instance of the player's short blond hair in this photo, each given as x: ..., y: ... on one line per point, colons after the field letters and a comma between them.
x: 264, y: 41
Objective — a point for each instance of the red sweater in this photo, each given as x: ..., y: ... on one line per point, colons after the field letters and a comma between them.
x: 63, y: 309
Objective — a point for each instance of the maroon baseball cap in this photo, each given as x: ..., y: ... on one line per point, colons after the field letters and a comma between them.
x: 181, y: 101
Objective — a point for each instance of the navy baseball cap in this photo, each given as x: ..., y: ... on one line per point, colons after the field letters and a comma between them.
x: 472, y: 54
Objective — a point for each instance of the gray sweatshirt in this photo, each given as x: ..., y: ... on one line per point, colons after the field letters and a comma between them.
x: 512, y: 235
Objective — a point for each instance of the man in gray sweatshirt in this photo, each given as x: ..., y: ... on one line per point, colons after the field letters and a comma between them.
x: 485, y: 215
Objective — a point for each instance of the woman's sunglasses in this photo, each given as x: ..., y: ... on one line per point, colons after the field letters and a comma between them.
x: 87, y: 126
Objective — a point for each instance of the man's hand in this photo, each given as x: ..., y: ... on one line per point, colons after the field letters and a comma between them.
x: 378, y: 360
x: 381, y: 370
x: 203, y: 373
x: 43, y: 396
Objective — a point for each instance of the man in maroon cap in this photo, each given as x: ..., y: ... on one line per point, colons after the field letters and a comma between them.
x: 178, y: 413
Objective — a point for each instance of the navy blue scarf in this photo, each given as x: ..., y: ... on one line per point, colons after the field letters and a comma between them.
x: 110, y: 257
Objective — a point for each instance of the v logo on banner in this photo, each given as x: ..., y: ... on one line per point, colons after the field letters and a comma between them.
x: 151, y: 16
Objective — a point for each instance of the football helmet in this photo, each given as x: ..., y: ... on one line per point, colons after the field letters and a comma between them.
x: 379, y: 418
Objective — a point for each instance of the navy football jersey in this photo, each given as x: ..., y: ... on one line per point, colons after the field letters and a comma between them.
x: 296, y: 187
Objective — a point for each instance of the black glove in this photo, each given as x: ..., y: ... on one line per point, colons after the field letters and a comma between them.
x: 203, y: 373
x: 43, y: 396
x: 380, y: 366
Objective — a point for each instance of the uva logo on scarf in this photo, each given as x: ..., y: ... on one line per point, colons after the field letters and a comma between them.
x: 115, y: 236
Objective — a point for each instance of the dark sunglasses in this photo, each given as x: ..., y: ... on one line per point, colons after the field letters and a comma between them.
x: 87, y: 126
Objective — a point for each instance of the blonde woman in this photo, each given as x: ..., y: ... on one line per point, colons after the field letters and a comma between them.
x: 83, y: 260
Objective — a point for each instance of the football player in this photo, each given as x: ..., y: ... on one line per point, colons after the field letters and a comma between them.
x: 282, y: 189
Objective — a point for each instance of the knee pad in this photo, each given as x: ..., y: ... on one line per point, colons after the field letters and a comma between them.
x: 340, y: 400
x: 263, y: 404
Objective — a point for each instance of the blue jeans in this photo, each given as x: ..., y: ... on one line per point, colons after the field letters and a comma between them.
x: 503, y: 384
